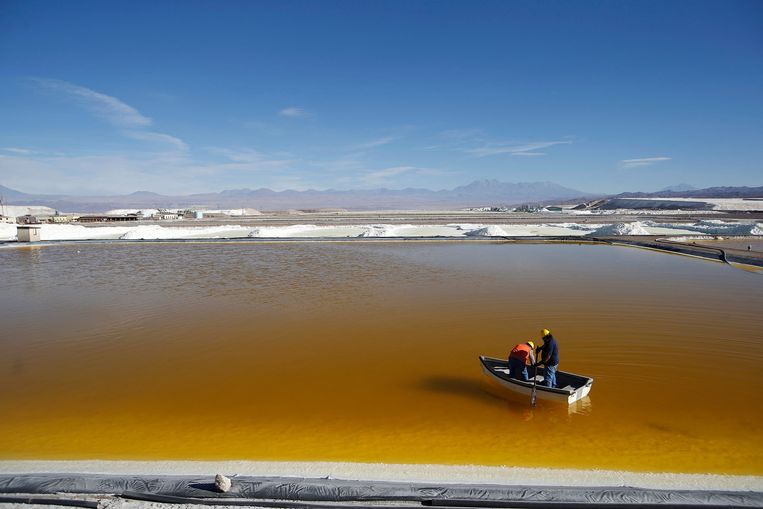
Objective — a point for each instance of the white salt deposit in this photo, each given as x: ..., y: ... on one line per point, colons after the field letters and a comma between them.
x: 575, y: 226
x: 7, y: 231
x: 410, y: 230
x: 488, y: 231
x: 428, y: 230
x: 79, y: 232
x: 51, y: 232
x: 635, y: 228
x: 714, y: 227
x: 643, y: 212
x: 378, y: 230
x: 296, y: 230
x: 155, y: 232
x: 533, y: 230
x: 23, y: 210
x: 464, y: 226
x: 718, y: 203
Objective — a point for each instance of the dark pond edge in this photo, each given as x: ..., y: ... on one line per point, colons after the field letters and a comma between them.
x: 274, y: 491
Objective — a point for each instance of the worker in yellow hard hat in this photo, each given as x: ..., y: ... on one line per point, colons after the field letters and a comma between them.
x: 520, y: 357
x: 548, y: 355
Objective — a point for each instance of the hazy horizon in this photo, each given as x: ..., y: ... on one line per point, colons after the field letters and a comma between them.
x: 385, y: 188
x: 583, y: 192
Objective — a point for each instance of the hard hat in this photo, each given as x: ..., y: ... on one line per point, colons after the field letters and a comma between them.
x: 532, y: 345
x: 545, y: 332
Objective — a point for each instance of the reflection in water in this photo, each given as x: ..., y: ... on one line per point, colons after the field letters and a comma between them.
x: 369, y: 352
x: 518, y: 405
x: 581, y: 407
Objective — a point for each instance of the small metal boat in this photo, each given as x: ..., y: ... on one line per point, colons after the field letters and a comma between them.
x: 570, y: 387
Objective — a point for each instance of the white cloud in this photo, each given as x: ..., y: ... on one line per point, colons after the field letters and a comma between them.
x: 496, y: 148
x: 643, y: 161
x: 105, y: 106
x: 383, y: 176
x: 263, y: 127
x: 157, y: 137
x: 16, y: 150
x: 293, y: 112
x: 378, y: 142
x: 114, y: 111
x: 389, y: 172
x: 251, y: 158
x: 168, y: 173
x: 84, y: 174
x: 475, y: 143
x: 350, y: 162
x: 462, y: 134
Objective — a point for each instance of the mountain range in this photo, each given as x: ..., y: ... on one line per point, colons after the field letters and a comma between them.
x: 479, y: 193
x: 709, y: 192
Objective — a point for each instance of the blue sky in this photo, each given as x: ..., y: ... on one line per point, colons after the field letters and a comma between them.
x: 182, y: 97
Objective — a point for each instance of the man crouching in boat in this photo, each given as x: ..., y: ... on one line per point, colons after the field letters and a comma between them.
x: 548, y: 355
x: 520, y: 357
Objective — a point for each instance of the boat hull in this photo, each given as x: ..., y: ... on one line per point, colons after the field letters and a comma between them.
x: 572, y: 387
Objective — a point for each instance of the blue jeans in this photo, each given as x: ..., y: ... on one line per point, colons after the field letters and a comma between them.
x: 549, y: 378
x: 517, y: 369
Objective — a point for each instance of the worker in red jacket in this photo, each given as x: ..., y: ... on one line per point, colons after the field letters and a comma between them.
x: 520, y: 357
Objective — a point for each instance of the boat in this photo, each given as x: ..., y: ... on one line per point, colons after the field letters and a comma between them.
x: 570, y: 387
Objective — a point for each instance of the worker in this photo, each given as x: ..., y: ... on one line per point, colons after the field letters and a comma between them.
x: 548, y: 355
x: 520, y: 357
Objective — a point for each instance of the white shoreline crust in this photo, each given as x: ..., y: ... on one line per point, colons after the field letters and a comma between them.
x: 414, y: 473
x: 185, y: 231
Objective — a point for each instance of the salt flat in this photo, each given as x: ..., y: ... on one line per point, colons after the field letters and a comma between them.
x: 184, y: 230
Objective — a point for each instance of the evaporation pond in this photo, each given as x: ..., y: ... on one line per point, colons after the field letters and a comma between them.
x: 369, y: 352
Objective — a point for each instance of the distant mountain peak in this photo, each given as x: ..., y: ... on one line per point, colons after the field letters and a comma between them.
x: 678, y: 188
x: 138, y: 194
x: 495, y: 192
x: 9, y: 193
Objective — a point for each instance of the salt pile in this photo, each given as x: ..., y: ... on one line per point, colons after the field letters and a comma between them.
x: 573, y: 226
x: 636, y: 228
x: 488, y: 231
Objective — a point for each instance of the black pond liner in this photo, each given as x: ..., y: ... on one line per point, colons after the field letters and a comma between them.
x: 296, y: 492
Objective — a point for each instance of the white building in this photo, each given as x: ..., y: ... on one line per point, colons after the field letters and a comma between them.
x: 28, y: 232
x: 166, y: 215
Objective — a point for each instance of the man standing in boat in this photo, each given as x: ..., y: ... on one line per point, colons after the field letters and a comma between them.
x: 520, y: 357
x: 548, y: 355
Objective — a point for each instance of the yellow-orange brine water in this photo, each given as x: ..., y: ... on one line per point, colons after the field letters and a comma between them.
x: 369, y: 352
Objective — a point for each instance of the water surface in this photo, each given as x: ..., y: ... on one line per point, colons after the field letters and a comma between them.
x: 368, y: 352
